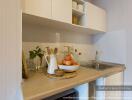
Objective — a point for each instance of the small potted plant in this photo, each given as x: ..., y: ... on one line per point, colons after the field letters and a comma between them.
x: 37, y: 54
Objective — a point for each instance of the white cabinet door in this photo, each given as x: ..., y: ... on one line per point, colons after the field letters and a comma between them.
x: 40, y: 8
x: 114, y: 80
x: 96, y: 17
x: 62, y: 10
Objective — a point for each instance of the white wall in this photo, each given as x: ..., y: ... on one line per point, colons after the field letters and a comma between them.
x: 39, y: 33
x: 34, y: 35
x: 10, y: 49
x: 112, y: 46
x: 87, y: 51
x: 119, y: 34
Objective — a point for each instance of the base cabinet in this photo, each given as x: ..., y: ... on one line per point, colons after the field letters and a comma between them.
x: 113, y: 80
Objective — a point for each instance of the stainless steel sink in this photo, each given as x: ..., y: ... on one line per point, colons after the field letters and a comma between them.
x: 98, y: 65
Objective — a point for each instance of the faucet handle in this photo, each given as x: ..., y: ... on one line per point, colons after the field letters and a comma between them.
x: 97, y: 52
x: 96, y: 55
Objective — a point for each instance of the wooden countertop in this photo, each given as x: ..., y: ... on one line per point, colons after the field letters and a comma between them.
x: 40, y: 86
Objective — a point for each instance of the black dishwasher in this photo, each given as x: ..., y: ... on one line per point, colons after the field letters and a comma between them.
x: 71, y: 94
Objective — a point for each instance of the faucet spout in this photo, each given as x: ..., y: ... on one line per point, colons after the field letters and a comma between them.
x: 97, y: 56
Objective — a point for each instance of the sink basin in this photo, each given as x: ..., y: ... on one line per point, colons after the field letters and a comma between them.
x: 98, y: 66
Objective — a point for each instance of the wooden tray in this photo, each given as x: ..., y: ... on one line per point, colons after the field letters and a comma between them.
x: 65, y: 76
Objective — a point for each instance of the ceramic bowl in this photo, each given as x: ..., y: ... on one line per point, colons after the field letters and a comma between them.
x: 71, y: 68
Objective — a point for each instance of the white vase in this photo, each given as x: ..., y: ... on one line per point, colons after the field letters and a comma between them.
x: 52, y: 64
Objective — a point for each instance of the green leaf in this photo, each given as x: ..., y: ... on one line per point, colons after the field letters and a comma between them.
x: 37, y: 47
x: 37, y: 52
x: 32, y: 54
x: 40, y: 55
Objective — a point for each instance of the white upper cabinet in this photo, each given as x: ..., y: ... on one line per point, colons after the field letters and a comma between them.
x: 62, y: 10
x: 96, y: 17
x: 91, y: 19
x: 40, y: 8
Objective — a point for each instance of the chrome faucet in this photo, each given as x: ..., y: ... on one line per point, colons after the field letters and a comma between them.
x: 97, y: 60
x: 96, y: 56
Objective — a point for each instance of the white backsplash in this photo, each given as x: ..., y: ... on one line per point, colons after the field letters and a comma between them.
x: 87, y: 50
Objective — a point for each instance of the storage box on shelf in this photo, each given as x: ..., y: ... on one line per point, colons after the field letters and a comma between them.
x: 78, y: 11
x: 78, y: 6
x: 80, y: 1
